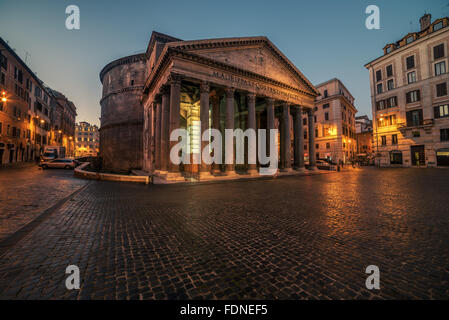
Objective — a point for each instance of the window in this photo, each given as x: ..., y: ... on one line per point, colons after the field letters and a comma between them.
x: 3, y: 62
x: 325, y: 94
x: 390, y: 84
x: 394, y: 139
x: 378, y: 75
x: 440, y: 68
x: 384, y: 140
x: 326, y: 116
x: 410, y: 61
x: 314, y: 119
x: 379, y: 88
x: 389, y: 49
x: 325, y: 106
x: 389, y: 70
x: 441, y: 89
x: 317, y: 146
x: 416, y: 134
x: 20, y: 76
x: 132, y: 82
x: 328, y: 145
x: 409, y: 40
x: 392, y: 102
x: 441, y: 111
x: 316, y: 133
x: 2, y: 79
x: 412, y: 96
x: 380, y: 105
x: 438, y: 26
x: 414, y: 118
x: 444, y: 134
x: 438, y: 51
x: 305, y: 134
x: 304, y: 121
x: 411, y: 77
x: 395, y: 157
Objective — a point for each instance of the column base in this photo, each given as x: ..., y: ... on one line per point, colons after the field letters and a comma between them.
x: 230, y: 173
x: 174, y: 176
x: 314, y: 168
x: 206, y: 175
x: 253, y: 172
x: 301, y: 169
x: 286, y: 170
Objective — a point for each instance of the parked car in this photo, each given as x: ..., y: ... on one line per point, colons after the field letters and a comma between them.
x: 63, y: 163
x: 323, y: 165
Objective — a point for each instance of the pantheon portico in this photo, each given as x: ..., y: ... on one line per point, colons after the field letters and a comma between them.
x: 225, y: 83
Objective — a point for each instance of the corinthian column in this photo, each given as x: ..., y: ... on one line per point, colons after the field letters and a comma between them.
x: 157, y: 135
x: 287, y: 156
x: 229, y: 124
x: 311, y: 123
x: 299, y: 140
x: 204, y: 117
x: 175, y: 101
x: 251, y: 99
x: 216, y: 124
x: 165, y: 123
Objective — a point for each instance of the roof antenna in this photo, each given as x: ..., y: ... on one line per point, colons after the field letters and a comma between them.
x: 27, y: 54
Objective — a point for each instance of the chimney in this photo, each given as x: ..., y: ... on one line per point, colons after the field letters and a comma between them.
x: 425, y: 21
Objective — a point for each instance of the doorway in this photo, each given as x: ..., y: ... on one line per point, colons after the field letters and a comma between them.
x: 418, y: 156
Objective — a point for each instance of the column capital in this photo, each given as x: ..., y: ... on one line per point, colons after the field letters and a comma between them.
x: 269, y: 100
x: 310, y: 112
x: 229, y: 91
x: 165, y: 89
x: 157, y: 98
x: 174, y: 79
x: 204, y: 87
x: 251, y: 96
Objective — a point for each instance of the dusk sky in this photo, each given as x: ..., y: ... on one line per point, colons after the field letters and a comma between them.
x: 324, y: 39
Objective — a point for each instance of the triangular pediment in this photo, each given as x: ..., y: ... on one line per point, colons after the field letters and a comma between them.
x: 254, y: 54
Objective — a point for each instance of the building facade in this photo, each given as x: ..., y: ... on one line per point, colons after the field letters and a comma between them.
x: 121, y: 121
x: 334, y: 120
x: 221, y: 83
x: 63, y: 122
x: 87, y: 140
x: 27, y: 108
x: 24, y: 110
x: 410, y: 98
x: 364, y: 138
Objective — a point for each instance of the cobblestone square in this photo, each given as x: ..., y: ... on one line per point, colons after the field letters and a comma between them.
x: 290, y: 238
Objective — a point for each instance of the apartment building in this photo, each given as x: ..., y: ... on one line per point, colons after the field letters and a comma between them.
x: 24, y: 109
x: 87, y: 140
x: 410, y: 98
x: 364, y: 138
x: 334, y: 118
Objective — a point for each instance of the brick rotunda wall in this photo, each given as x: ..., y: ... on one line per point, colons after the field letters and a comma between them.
x: 121, y: 143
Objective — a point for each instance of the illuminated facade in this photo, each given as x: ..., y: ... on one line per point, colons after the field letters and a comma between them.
x: 334, y: 123
x: 224, y: 83
x: 364, y: 137
x: 410, y: 98
x: 87, y: 138
x: 24, y: 110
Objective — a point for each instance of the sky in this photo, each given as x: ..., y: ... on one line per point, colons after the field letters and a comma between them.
x: 323, y: 38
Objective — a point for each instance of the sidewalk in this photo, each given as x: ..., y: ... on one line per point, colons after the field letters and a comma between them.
x: 18, y: 165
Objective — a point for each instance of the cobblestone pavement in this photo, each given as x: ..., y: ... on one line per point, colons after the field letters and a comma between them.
x: 27, y: 191
x: 291, y: 238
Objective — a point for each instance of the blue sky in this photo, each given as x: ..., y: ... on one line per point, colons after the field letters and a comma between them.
x: 323, y: 38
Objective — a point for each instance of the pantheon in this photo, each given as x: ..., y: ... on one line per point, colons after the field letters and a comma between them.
x: 225, y: 83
